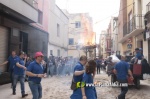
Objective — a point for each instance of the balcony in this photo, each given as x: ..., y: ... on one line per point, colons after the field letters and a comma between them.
x: 25, y: 10
x: 148, y: 7
x: 32, y: 3
x: 147, y: 15
x: 133, y: 27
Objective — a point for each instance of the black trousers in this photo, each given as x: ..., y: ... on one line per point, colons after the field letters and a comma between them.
x: 124, y: 89
x: 98, y: 70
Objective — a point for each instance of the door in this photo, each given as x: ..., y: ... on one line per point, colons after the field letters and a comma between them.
x: 130, y: 26
x: 149, y: 51
x: 24, y: 42
x: 3, y: 46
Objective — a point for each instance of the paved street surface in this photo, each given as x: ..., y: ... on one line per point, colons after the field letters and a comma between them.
x: 59, y: 88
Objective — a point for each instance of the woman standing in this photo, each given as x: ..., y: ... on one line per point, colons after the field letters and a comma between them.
x: 89, y: 92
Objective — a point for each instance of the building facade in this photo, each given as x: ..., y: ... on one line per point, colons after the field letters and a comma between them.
x: 80, y: 35
x: 133, y: 27
x: 146, y: 43
x: 58, y: 31
x: 103, y: 44
x: 17, y: 31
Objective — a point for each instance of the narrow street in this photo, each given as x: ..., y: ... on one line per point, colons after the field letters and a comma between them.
x: 59, y: 88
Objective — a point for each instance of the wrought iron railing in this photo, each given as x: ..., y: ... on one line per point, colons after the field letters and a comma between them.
x: 137, y: 22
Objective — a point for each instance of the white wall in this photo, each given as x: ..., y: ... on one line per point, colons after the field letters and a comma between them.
x: 56, y: 16
x: 145, y: 43
x: 145, y: 49
x: 144, y: 3
x: 21, y: 7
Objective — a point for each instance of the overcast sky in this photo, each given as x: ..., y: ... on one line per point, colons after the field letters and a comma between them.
x: 100, y: 10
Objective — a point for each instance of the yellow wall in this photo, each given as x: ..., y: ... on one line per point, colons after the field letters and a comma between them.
x: 124, y: 46
x: 130, y: 8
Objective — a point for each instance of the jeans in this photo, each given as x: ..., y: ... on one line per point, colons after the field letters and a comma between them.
x: 50, y: 70
x: 21, y: 78
x: 124, y: 89
x: 11, y: 76
x: 36, y: 90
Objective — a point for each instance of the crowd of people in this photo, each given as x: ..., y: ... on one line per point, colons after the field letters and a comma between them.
x: 83, y: 70
x: 60, y: 66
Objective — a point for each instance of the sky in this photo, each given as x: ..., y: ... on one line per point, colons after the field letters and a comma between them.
x: 100, y: 11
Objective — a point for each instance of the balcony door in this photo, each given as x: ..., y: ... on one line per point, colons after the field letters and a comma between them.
x: 130, y: 26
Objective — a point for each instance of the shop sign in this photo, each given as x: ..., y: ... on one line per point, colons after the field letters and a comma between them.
x: 129, y: 46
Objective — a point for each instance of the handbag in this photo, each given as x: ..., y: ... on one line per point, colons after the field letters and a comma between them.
x: 73, y: 84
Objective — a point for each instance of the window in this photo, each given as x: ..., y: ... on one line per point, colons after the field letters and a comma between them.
x: 51, y: 52
x: 114, y: 24
x: 130, y: 27
x: 77, y: 24
x: 40, y: 16
x: 15, y: 32
x: 71, y: 41
x: 58, y: 30
x: 58, y: 52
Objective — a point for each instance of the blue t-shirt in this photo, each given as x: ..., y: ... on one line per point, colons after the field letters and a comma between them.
x: 35, y: 68
x: 12, y: 61
x: 90, y: 91
x: 139, y: 55
x: 18, y: 70
x: 122, y: 68
x: 78, y: 67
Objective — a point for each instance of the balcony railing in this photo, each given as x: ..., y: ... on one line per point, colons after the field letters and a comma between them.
x: 135, y: 23
x: 148, y: 7
x: 32, y: 3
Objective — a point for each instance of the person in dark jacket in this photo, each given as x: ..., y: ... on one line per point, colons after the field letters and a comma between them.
x: 145, y: 67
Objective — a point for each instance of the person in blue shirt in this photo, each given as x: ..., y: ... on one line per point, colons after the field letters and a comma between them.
x: 138, y: 56
x: 35, y: 71
x: 11, y: 60
x: 89, y: 92
x: 19, y: 74
x: 78, y: 75
x: 122, y: 70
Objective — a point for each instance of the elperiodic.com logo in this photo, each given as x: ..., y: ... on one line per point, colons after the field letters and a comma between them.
x: 115, y: 84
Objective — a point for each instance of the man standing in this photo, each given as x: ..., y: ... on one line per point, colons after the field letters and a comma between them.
x: 35, y: 72
x: 50, y: 67
x: 19, y: 74
x: 11, y: 60
x: 78, y: 74
x: 122, y: 70
x: 138, y: 55
x: 98, y: 63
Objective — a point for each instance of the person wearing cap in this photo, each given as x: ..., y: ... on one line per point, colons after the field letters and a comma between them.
x: 19, y: 74
x: 35, y: 72
x: 138, y: 55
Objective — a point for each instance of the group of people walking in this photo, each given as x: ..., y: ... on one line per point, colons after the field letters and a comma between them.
x: 87, y: 75
x: 18, y: 70
x: 34, y: 69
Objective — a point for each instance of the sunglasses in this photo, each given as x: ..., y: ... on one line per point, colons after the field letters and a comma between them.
x: 41, y: 56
